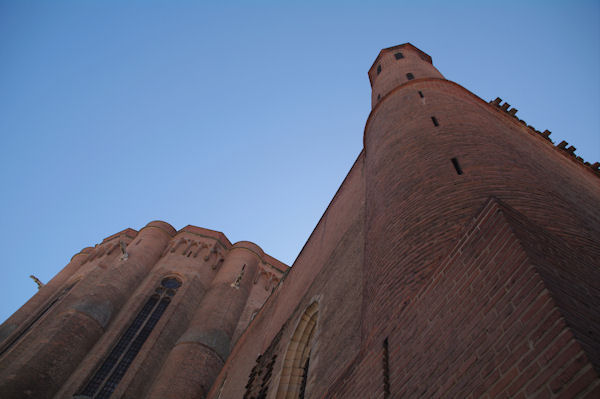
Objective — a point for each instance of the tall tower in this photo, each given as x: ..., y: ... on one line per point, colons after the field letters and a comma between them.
x: 459, y: 258
x: 437, y: 158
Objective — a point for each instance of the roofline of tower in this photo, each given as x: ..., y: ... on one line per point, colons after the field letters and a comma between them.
x: 530, y: 130
x: 424, y: 55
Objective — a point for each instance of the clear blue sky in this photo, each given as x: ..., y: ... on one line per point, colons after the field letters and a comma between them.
x: 242, y: 118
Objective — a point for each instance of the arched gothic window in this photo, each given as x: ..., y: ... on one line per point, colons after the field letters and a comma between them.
x: 292, y: 384
x: 109, y: 374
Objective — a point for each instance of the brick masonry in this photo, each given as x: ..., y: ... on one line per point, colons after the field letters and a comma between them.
x: 459, y: 258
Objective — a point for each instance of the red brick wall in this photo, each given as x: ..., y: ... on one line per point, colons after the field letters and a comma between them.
x: 328, y: 270
x: 417, y: 204
x: 485, y: 325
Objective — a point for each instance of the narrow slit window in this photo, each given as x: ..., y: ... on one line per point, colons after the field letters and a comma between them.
x: 304, y: 378
x: 421, y: 94
x: 378, y: 69
x: 398, y: 56
x: 386, y: 368
x: 435, y: 121
x: 378, y: 97
x: 457, y: 166
x: 410, y: 76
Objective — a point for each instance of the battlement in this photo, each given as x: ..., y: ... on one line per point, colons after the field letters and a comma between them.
x: 562, y: 146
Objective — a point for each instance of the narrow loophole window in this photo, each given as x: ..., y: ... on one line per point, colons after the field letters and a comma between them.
x: 378, y: 69
x: 378, y: 97
x: 386, y: 368
x: 435, y: 121
x: 421, y: 94
x: 398, y: 56
x: 410, y: 76
x: 457, y: 166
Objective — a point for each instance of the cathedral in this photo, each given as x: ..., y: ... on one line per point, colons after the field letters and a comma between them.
x: 459, y: 258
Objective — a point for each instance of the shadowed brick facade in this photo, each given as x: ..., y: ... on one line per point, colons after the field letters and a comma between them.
x: 459, y: 258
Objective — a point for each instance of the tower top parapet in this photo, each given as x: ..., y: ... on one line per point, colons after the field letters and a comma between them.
x: 397, y: 48
x: 397, y: 65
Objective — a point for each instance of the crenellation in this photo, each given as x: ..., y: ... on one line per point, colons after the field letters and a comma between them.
x: 570, y: 151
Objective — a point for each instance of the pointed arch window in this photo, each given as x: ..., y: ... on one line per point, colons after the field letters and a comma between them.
x: 296, y: 365
x: 109, y: 374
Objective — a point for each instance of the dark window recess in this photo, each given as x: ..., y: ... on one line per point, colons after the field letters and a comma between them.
x: 421, y: 94
x: 133, y: 350
x: 260, y: 376
x: 410, y: 76
x: 378, y: 97
x: 398, y: 56
x: 304, y: 378
x: 457, y: 166
x: 435, y: 121
x: 112, y: 370
x: 378, y: 69
x: 171, y: 282
x: 386, y: 369
x: 118, y: 350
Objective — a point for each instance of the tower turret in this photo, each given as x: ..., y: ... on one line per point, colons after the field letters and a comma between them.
x: 434, y: 154
x: 397, y: 65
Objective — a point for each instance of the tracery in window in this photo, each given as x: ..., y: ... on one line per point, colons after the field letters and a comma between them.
x: 106, y: 378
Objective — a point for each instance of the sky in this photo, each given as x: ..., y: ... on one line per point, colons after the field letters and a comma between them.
x: 241, y: 117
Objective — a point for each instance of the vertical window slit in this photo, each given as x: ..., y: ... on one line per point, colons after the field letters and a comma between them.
x: 304, y: 378
x: 421, y: 94
x: 435, y: 121
x: 457, y: 166
x: 386, y: 369
x: 378, y: 69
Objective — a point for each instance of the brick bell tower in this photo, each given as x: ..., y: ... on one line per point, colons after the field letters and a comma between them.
x: 438, y: 159
x: 459, y: 258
